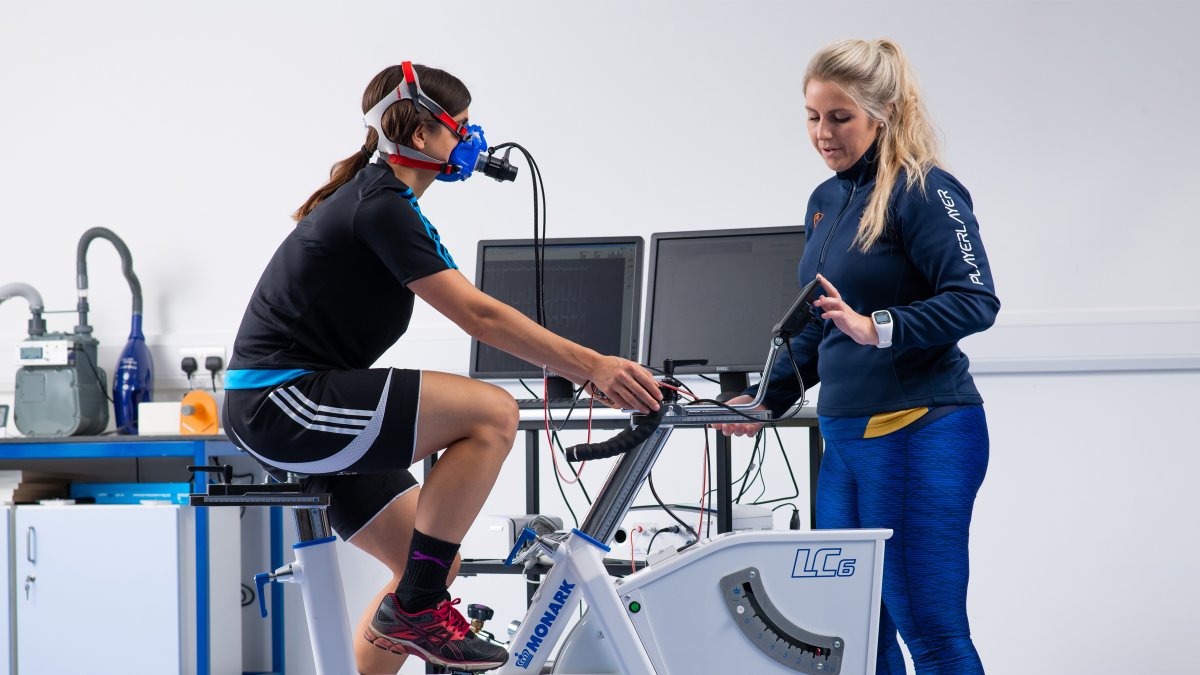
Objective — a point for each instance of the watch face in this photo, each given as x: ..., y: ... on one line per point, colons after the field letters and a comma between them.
x: 882, y: 317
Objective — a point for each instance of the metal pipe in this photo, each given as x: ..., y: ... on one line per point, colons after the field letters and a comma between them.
x: 312, y: 523
x: 759, y: 397
x: 622, y: 487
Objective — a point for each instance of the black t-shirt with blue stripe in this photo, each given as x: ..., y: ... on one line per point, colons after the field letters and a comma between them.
x: 335, y: 294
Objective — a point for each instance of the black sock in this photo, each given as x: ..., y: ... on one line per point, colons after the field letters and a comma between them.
x: 424, y: 582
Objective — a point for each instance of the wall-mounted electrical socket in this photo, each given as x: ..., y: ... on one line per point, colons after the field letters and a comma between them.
x: 201, y: 354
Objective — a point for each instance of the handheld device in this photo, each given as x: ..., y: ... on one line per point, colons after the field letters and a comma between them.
x: 801, y: 313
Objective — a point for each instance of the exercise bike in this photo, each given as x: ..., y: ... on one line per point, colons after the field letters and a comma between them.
x: 768, y: 601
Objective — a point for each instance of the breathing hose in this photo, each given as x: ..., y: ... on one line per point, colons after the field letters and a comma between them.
x: 37, y: 325
x: 133, y: 379
x: 135, y: 287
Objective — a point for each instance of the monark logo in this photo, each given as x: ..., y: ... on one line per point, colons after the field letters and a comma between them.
x: 541, y: 630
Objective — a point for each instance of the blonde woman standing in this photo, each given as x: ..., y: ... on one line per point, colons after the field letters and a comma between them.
x: 895, y: 243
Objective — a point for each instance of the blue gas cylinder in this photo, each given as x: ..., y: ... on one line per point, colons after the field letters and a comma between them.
x: 134, y: 379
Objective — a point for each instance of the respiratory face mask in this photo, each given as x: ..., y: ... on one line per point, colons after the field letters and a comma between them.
x: 466, y: 157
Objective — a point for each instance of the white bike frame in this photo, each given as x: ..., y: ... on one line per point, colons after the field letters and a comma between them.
x: 315, y: 569
x: 578, y: 570
x: 578, y: 573
x: 317, y: 573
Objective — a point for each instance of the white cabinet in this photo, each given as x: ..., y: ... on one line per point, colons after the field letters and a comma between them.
x: 112, y: 589
x: 7, y: 646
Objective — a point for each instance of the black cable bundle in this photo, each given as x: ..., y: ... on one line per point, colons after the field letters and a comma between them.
x: 539, y: 236
x: 621, y: 443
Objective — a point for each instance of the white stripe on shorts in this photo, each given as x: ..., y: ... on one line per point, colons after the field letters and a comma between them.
x: 325, y: 408
x: 297, y: 411
x: 344, y: 458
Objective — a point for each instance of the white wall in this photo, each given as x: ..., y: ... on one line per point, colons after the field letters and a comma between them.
x: 1084, y: 551
x: 193, y: 131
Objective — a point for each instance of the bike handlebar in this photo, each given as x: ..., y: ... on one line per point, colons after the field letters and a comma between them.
x: 670, y: 415
x: 796, y: 319
x: 621, y: 443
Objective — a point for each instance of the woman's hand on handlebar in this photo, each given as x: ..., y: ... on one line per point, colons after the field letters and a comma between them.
x: 624, y: 384
x: 747, y: 429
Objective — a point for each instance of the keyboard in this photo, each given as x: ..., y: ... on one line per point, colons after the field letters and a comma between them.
x: 555, y: 403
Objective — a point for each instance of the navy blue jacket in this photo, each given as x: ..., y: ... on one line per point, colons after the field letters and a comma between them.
x: 928, y: 268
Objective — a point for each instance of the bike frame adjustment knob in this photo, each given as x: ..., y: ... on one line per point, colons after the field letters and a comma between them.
x: 478, y: 614
x: 260, y: 582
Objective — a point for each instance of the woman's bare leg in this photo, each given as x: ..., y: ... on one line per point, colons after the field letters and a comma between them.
x: 476, y: 424
x: 386, y: 538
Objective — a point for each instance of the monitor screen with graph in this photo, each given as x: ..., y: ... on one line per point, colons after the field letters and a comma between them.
x: 593, y: 289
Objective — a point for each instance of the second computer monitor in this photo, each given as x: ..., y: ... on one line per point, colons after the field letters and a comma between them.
x: 715, y: 294
x: 593, y: 295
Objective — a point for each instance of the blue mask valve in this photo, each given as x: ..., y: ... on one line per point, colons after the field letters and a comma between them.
x: 466, y: 155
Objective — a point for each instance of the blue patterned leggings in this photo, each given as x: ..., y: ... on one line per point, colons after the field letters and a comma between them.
x: 921, y: 484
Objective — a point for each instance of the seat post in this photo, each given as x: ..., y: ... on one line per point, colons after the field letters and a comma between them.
x: 315, y: 569
x: 312, y: 523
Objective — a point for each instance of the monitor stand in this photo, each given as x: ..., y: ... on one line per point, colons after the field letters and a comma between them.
x: 732, y: 385
x: 559, y: 388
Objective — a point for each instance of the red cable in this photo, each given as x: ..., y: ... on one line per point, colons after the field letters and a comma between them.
x: 703, y: 486
x: 681, y: 391
x: 591, y: 404
x: 550, y: 437
x: 632, y: 564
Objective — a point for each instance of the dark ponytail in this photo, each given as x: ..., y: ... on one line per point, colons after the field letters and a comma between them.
x: 399, y: 122
x: 339, y: 175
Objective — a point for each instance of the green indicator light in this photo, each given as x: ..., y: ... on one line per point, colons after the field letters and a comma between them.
x: 635, y: 606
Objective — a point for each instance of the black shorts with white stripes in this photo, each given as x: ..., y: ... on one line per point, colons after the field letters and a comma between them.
x: 355, y: 499
x: 325, y: 423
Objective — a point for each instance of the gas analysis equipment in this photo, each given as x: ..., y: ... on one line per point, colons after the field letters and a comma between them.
x: 59, y: 387
x: 466, y: 157
x: 61, y: 390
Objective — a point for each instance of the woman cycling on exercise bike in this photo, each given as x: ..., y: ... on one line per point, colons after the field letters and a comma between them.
x: 303, y: 396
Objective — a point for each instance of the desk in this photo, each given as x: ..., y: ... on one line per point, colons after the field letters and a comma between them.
x: 197, y: 448
x: 200, y: 448
x: 534, y: 429
x: 806, y: 417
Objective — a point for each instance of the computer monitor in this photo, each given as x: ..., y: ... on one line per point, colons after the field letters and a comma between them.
x: 593, y: 296
x: 715, y: 294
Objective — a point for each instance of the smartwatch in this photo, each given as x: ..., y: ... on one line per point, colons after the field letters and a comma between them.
x: 883, y: 327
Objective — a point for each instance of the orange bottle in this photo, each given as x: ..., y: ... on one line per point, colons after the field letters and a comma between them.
x: 198, y: 414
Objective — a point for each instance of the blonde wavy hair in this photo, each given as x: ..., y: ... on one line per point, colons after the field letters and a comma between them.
x: 878, y: 77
